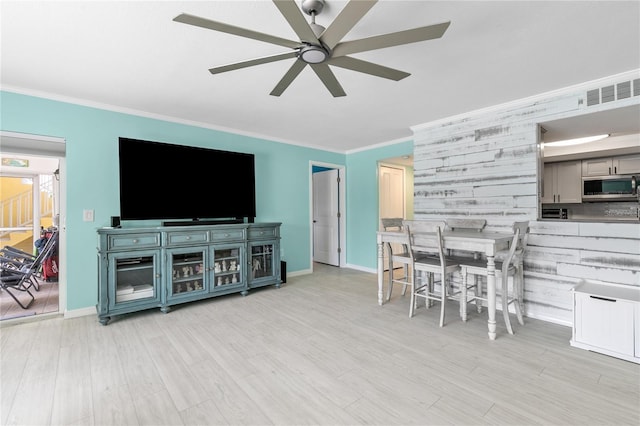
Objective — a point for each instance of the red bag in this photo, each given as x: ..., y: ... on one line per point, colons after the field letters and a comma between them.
x: 50, y: 268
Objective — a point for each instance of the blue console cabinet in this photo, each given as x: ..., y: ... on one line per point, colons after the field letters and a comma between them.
x: 143, y: 268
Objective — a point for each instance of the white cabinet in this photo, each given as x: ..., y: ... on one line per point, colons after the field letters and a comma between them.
x: 606, y: 319
x: 562, y: 182
x: 628, y: 164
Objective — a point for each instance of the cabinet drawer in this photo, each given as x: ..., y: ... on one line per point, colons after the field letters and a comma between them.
x: 133, y: 241
x: 188, y: 237
x: 221, y: 235
x: 262, y: 232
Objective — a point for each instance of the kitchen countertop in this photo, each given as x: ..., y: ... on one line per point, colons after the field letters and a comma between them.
x: 593, y: 219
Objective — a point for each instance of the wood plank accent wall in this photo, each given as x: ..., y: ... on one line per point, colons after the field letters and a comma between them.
x: 485, y: 164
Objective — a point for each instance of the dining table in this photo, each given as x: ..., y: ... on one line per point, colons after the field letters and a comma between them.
x: 482, y: 242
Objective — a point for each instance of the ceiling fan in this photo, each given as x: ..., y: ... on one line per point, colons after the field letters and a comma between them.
x: 319, y: 47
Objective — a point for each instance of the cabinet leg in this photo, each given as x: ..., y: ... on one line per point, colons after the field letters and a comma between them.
x: 165, y: 309
x: 244, y: 292
x: 104, y: 320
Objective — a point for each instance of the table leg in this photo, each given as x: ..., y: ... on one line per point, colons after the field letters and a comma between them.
x: 380, y: 272
x: 491, y: 296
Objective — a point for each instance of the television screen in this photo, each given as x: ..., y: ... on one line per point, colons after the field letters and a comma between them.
x: 167, y: 181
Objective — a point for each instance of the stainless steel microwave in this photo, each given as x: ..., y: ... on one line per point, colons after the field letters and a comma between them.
x: 610, y: 188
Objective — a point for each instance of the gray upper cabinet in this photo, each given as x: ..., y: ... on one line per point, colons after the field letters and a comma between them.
x: 562, y: 182
x: 622, y: 165
x: 627, y: 165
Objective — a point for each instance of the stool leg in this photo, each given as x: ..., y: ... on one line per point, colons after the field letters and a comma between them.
x: 505, y: 302
x: 478, y: 286
x: 463, y: 295
x: 519, y: 313
x: 405, y: 277
x: 518, y: 296
x: 390, y: 254
x: 520, y: 292
x: 412, y: 305
x: 405, y: 270
x: 443, y: 298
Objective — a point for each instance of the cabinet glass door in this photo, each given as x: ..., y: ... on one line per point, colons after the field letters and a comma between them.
x: 187, y: 269
x: 262, y: 262
x: 136, y: 278
x: 227, y: 267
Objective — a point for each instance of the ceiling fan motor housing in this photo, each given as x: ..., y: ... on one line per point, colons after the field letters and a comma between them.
x: 312, y: 7
x: 314, y: 53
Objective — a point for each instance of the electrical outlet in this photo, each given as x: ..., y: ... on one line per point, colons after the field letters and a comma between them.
x: 87, y: 215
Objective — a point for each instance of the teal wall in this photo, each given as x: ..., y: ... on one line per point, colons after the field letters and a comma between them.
x: 282, y: 180
x: 362, y: 201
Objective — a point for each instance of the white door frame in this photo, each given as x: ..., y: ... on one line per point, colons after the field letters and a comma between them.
x: 343, y: 215
x: 55, y: 147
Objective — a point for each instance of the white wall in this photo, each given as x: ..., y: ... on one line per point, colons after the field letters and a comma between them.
x: 485, y: 164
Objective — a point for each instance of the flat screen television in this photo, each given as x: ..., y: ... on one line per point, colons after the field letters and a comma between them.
x: 170, y: 182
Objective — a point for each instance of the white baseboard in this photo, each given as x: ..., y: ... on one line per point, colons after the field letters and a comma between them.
x: 361, y: 268
x: 82, y: 312
x: 298, y: 273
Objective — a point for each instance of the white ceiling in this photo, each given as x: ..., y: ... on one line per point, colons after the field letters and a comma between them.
x: 131, y: 56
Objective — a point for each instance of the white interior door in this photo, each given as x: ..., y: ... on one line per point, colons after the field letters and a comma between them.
x: 392, y: 196
x: 391, y: 192
x: 326, y: 219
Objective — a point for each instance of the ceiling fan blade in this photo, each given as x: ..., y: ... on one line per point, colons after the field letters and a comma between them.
x: 252, y: 62
x: 197, y: 21
x: 330, y: 81
x: 368, y: 68
x: 392, y: 39
x: 293, y: 72
x: 294, y: 17
x: 347, y: 19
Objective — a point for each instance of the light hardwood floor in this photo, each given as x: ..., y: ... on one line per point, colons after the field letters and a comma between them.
x: 318, y: 351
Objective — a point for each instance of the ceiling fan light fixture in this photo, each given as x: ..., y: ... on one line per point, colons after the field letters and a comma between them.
x: 313, y: 54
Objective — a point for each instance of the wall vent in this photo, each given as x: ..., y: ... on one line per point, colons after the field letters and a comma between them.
x: 614, y: 92
x: 608, y: 94
x: 624, y: 90
x: 593, y: 97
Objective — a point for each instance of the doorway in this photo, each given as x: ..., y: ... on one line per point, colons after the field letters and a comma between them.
x: 38, y: 184
x: 328, y: 232
x: 395, y: 187
x: 392, y: 191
